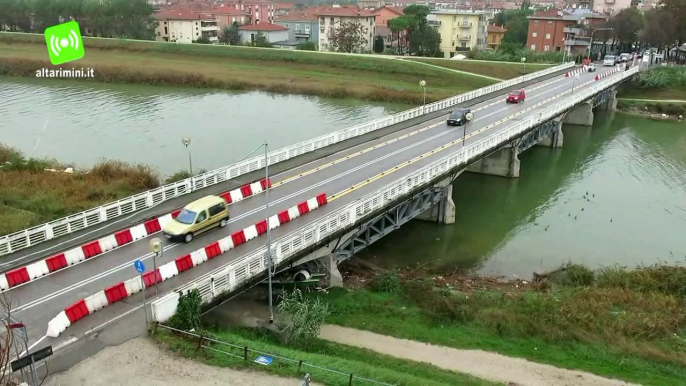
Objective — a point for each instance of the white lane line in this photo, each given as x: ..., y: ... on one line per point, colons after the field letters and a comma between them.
x: 64, y: 344
x: 147, y: 256
x: 138, y: 307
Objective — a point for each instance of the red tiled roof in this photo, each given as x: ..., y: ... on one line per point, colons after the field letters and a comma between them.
x: 262, y: 27
x: 346, y: 11
x: 284, y: 5
x: 554, y: 13
x: 299, y: 16
x: 223, y: 10
x: 183, y: 14
x: 396, y: 10
x: 496, y: 28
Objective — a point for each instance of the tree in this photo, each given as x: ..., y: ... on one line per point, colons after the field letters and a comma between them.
x: 348, y: 37
x: 230, y: 34
x: 516, y: 23
x: 306, y: 46
x: 627, y: 23
x: 399, y: 27
x: 260, y: 40
x: 677, y: 8
x: 379, y: 44
x: 305, y: 316
x: 187, y: 315
x: 660, y: 28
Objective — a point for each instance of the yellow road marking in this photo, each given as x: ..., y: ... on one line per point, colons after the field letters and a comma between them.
x: 446, y: 146
x: 374, y: 147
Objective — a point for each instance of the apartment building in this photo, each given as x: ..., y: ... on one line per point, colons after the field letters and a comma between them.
x: 185, y: 26
x: 332, y: 17
x: 461, y: 30
x: 272, y: 32
x: 383, y: 15
x: 257, y: 11
x: 557, y: 30
x: 226, y: 15
x: 611, y: 7
x: 303, y: 26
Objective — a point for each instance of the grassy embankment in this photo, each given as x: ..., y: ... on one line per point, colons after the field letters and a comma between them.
x: 345, y: 359
x: 615, y: 323
x: 243, y: 68
x: 502, y: 70
x: 30, y: 195
x: 652, y: 88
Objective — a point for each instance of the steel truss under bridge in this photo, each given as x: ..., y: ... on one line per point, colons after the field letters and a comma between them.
x: 385, y: 223
x: 535, y: 136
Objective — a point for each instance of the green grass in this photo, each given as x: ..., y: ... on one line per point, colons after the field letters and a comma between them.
x: 345, y: 359
x: 244, y: 68
x: 502, y: 70
x: 614, y: 323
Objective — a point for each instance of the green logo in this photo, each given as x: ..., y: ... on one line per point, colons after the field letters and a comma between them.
x: 64, y: 42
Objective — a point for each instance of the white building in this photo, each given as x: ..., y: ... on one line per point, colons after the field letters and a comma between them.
x: 185, y: 26
x: 273, y: 32
x: 332, y: 17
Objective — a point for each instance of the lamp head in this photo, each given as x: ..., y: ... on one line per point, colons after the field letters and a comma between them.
x: 186, y: 141
x: 155, y: 245
x: 422, y: 83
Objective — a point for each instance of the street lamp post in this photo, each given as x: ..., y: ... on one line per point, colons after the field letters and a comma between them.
x: 422, y: 84
x: 576, y: 77
x: 590, y: 45
x: 270, y: 261
x: 156, y: 248
x: 523, y: 60
x: 468, y: 117
x: 187, y: 141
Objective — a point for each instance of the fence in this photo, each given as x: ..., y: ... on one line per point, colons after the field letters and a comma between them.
x: 41, y: 233
x: 232, y: 275
x: 245, y: 350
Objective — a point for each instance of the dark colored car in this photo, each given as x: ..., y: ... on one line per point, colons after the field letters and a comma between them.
x: 458, y: 117
x: 516, y: 96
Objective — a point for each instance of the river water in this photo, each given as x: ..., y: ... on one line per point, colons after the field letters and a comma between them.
x: 82, y: 124
x: 633, y: 169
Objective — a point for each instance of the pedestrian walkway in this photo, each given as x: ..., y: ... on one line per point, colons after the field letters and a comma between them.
x: 479, y: 363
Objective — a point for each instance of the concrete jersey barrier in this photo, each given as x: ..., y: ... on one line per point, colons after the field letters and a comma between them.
x: 61, y: 227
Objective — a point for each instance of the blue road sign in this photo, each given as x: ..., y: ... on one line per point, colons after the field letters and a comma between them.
x: 140, y: 267
x: 263, y: 360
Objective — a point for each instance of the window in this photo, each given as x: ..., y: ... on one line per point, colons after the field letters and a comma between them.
x: 546, y: 48
x: 186, y: 217
x: 493, y: 39
x: 321, y: 30
x: 464, y: 45
x: 215, y: 210
x: 297, y: 27
x: 535, y: 22
x: 165, y: 31
x: 550, y: 23
x: 547, y: 36
x: 331, y: 20
x: 202, y: 216
x: 307, y: 28
x: 533, y: 47
x: 323, y: 20
x: 534, y: 34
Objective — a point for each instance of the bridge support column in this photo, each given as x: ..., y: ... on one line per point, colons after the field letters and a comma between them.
x: 333, y: 275
x: 581, y: 115
x: 503, y: 163
x: 555, y: 139
x: 444, y: 211
x: 611, y: 104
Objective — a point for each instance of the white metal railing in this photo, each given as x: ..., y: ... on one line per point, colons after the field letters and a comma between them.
x: 64, y: 226
x: 232, y: 275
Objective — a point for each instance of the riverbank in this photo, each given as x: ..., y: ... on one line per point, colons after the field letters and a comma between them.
x: 244, y: 68
x: 656, y: 92
x: 613, y: 322
x: 35, y: 191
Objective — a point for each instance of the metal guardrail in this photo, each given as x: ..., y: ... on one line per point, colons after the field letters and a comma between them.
x: 234, y: 274
x: 67, y: 225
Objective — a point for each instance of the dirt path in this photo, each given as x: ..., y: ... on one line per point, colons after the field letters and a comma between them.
x: 141, y: 362
x: 482, y: 364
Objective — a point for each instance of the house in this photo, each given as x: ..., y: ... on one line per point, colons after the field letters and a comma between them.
x: 557, y: 30
x: 385, y: 13
x: 226, y: 15
x: 185, y: 26
x: 258, y: 11
x: 282, y: 9
x: 273, y: 32
x: 332, y: 17
x: 495, y: 35
x: 303, y: 26
x: 461, y: 30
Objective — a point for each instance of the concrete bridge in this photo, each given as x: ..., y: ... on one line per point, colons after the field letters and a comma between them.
x: 376, y: 177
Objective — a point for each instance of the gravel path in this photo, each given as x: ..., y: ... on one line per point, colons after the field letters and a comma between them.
x: 141, y: 362
x: 482, y: 364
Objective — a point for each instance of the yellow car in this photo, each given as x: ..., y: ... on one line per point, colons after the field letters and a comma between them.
x: 197, y: 217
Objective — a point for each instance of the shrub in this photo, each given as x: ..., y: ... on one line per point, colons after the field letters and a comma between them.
x: 307, y: 46
x: 663, y: 77
x: 187, y: 314
x: 387, y: 282
x: 306, y: 316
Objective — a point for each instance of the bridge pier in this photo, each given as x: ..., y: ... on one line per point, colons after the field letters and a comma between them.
x: 555, y: 139
x: 444, y: 211
x: 611, y: 104
x: 581, y: 115
x: 503, y: 163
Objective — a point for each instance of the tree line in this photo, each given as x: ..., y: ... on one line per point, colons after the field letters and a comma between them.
x: 126, y: 19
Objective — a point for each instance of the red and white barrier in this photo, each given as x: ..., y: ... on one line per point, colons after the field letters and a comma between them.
x: 575, y: 72
x: 73, y: 256
x: 117, y: 292
x: 614, y: 70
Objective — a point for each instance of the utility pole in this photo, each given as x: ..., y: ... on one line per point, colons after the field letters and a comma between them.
x: 270, y: 261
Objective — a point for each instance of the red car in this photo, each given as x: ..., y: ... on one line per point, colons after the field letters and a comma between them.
x: 516, y: 96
